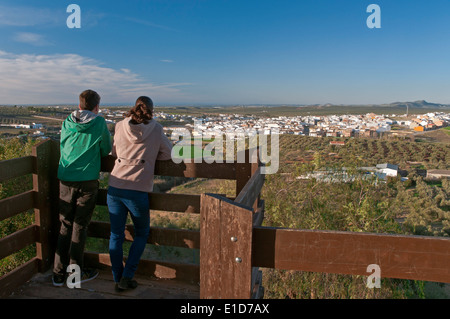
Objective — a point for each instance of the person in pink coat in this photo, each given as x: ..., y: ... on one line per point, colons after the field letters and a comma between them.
x: 138, y: 142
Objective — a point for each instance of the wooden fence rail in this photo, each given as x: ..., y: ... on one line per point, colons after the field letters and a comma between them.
x: 179, y: 203
x: 16, y: 204
x: 403, y: 257
x: 158, y: 235
x: 16, y: 167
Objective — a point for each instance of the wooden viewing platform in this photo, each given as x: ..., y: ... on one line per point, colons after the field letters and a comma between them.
x: 102, y: 287
x: 233, y: 245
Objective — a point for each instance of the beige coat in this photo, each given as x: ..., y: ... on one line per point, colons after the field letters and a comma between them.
x: 136, y: 148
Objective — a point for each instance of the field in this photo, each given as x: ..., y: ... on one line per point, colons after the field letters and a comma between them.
x: 50, y: 118
x: 411, y: 207
x: 435, y: 136
x: 366, y: 152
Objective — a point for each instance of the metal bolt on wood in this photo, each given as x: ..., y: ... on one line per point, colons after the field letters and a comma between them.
x: 238, y: 260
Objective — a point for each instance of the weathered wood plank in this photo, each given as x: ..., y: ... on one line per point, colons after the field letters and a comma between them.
x: 44, y: 185
x: 257, y: 290
x: 147, y: 267
x: 175, y: 202
x: 18, y: 240
x: 180, y: 203
x: 225, y: 249
x: 245, y: 169
x: 199, y: 170
x: 40, y: 287
x: 18, y: 276
x: 17, y: 204
x: 249, y: 194
x: 174, y: 237
x: 16, y: 167
x: 169, y: 168
x: 210, y: 246
x: 258, y: 216
x: 403, y: 257
x: 236, y: 222
x: 243, y: 175
x: 158, y: 236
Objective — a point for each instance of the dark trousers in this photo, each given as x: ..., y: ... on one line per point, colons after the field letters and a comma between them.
x: 77, y: 201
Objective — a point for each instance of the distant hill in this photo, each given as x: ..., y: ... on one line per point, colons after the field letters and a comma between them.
x: 417, y: 104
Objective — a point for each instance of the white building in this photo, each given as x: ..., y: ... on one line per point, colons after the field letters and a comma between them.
x: 388, y: 169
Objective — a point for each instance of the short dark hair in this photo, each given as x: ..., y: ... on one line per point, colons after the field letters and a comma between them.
x: 89, y: 99
x: 142, y: 112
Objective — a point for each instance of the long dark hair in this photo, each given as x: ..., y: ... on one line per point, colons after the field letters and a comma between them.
x: 142, y: 112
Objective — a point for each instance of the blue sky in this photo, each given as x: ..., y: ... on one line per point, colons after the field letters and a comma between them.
x: 225, y: 51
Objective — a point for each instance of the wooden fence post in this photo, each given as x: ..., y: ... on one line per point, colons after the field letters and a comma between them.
x: 225, y: 249
x: 45, y: 187
x: 244, y: 171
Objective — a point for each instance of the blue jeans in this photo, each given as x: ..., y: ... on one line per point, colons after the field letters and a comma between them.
x: 120, y: 202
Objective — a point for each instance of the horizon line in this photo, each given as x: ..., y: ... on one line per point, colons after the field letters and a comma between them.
x: 118, y: 104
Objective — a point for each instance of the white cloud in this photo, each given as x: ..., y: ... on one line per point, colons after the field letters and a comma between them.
x: 167, y: 61
x: 59, y: 78
x: 30, y: 16
x: 148, y: 23
x: 31, y: 38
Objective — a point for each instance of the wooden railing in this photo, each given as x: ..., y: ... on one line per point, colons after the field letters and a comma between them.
x: 42, y: 199
x: 233, y: 244
x: 180, y: 203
